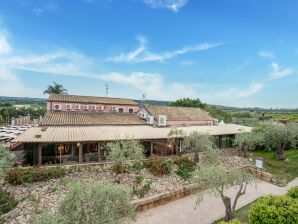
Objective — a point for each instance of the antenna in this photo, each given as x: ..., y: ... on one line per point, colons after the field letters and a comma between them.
x: 107, y: 89
x: 143, y: 99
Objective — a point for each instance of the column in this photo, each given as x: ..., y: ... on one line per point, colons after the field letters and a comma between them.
x: 99, y: 152
x: 39, y: 154
x: 81, y: 153
x: 165, y: 149
x: 151, y: 148
x: 219, y: 141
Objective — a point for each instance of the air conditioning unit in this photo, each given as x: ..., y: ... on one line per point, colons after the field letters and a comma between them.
x: 93, y: 107
x: 101, y: 108
x: 68, y: 106
x: 85, y: 107
x: 78, y: 106
x: 114, y: 108
x: 150, y: 119
x: 162, y: 120
x: 58, y: 107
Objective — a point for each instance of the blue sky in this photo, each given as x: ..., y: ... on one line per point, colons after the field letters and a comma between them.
x: 228, y: 52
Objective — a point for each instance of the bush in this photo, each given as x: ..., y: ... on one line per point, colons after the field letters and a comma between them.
x: 19, y: 176
x: 293, y: 192
x: 273, y: 209
x: 46, y: 217
x: 158, y: 165
x: 95, y: 203
x: 137, y: 166
x: 183, y: 160
x: 139, y: 189
x: 6, y: 202
x: 183, y: 171
x: 120, y: 168
x: 234, y: 221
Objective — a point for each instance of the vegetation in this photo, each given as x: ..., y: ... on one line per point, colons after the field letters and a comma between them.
x: 185, y: 167
x: 234, y: 221
x: 187, y: 102
x: 122, y: 151
x: 96, y: 203
x: 139, y: 188
x: 6, y: 162
x: 55, y: 89
x: 282, y: 171
x: 293, y: 193
x: 7, y: 203
x: 247, y: 141
x: 158, y: 165
x: 19, y: 176
x: 272, y: 209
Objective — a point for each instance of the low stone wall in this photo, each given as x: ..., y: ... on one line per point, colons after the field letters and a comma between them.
x: 160, y: 199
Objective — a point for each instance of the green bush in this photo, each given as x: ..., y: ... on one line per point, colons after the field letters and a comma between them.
x: 6, y: 202
x: 234, y: 221
x: 120, y: 168
x: 158, y: 165
x: 293, y: 192
x: 139, y: 189
x: 184, y: 172
x: 95, y: 203
x: 184, y: 160
x: 19, y: 176
x: 137, y: 166
x: 46, y: 217
x: 273, y: 209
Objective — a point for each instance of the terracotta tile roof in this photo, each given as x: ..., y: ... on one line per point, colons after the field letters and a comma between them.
x: 111, y: 133
x: 59, y: 118
x: 179, y: 113
x: 90, y: 99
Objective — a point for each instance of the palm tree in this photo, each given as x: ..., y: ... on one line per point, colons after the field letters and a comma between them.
x: 55, y: 89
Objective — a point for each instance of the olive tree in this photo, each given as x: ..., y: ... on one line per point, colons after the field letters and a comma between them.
x: 125, y: 150
x: 247, y: 141
x: 196, y: 142
x: 6, y: 161
x: 278, y: 138
x: 217, y: 180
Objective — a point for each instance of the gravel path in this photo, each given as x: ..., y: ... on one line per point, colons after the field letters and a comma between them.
x: 211, y: 208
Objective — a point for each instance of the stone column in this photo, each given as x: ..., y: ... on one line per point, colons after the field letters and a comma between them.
x: 151, y: 148
x: 39, y: 154
x: 81, y: 153
x: 219, y: 141
x: 99, y: 152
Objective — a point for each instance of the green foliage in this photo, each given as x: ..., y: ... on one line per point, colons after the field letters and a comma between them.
x: 251, y: 122
x: 6, y: 161
x: 242, y: 114
x: 120, y: 168
x: 11, y: 111
x: 55, y: 89
x: 219, y: 114
x: 19, y: 176
x: 7, y: 203
x: 137, y: 166
x: 273, y: 209
x: 46, y: 217
x: 1, y: 120
x: 184, y: 172
x: 139, y: 188
x: 234, y: 221
x: 184, y: 160
x: 293, y: 192
x: 248, y: 141
x: 98, y: 203
x: 158, y: 165
x: 187, y: 102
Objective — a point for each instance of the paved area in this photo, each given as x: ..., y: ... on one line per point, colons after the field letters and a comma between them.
x: 210, y: 209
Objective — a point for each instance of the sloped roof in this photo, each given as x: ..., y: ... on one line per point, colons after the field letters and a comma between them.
x: 179, y: 113
x: 59, y: 118
x: 112, y: 133
x: 90, y: 99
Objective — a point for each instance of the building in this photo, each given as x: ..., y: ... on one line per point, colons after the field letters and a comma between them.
x: 170, y: 116
x: 59, y: 102
x: 67, y: 135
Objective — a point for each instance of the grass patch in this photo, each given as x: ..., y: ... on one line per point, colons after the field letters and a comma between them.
x: 282, y: 171
x: 240, y: 214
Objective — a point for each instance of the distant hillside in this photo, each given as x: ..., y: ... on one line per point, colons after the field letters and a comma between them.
x: 154, y: 102
x: 22, y: 100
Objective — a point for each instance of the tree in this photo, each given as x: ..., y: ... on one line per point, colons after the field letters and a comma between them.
x: 187, y: 102
x: 217, y: 180
x: 196, y: 143
x: 6, y: 161
x: 55, y: 89
x: 278, y: 137
x: 1, y: 120
x: 247, y: 141
x: 122, y: 151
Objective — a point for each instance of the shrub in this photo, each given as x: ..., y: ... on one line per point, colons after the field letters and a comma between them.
x: 273, y: 209
x: 158, y: 165
x: 184, y: 160
x: 234, y: 221
x: 46, y: 217
x: 95, y: 203
x: 120, y: 168
x: 139, y: 189
x: 19, y: 176
x: 6, y: 202
x: 293, y: 192
x: 183, y: 171
x: 137, y: 166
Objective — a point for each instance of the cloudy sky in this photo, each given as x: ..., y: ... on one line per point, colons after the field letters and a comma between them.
x: 228, y: 52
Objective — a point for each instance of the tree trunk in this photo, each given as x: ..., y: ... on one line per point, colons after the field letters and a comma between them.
x: 280, y: 152
x: 229, y: 214
x: 196, y: 157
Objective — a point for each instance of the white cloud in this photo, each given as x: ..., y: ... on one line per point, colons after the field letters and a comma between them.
x: 4, y: 45
x: 278, y: 72
x: 173, y: 5
x: 142, y: 53
x: 266, y: 54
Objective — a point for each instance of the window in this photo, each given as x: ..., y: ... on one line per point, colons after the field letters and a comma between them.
x: 101, y: 107
x: 64, y: 149
x: 120, y: 110
x: 93, y: 107
x: 68, y: 106
x: 85, y: 107
x: 78, y: 106
x: 130, y: 110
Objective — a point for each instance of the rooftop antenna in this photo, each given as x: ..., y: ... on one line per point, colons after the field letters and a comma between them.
x: 107, y: 89
x: 143, y: 99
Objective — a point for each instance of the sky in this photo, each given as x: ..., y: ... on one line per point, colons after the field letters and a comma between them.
x: 227, y: 52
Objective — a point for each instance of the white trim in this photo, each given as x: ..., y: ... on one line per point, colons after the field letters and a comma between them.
x: 77, y: 106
